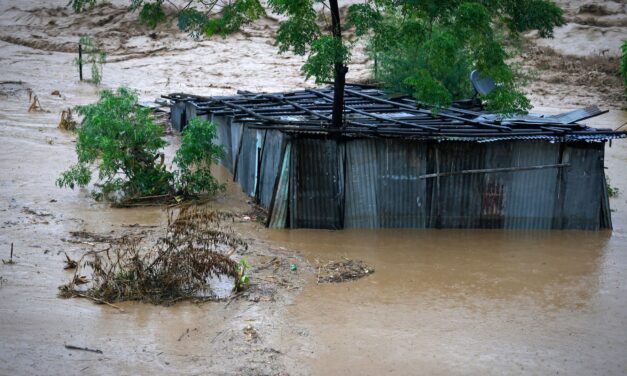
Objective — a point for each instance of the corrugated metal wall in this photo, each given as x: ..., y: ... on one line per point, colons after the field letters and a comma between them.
x: 224, y: 125
x: 583, y: 183
x: 385, y: 184
x: 383, y: 188
x: 456, y: 199
x: 246, y: 166
x: 271, y: 155
x: 530, y: 195
x: 315, y: 182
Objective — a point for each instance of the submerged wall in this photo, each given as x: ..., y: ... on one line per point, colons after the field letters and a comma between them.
x: 317, y: 182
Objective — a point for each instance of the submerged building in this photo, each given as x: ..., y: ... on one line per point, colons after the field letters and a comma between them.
x: 396, y: 164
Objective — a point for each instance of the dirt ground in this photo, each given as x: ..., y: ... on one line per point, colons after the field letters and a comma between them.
x: 439, y: 302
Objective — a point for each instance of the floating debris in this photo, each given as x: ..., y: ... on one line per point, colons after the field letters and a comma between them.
x: 180, y: 265
x: 67, y: 122
x: 343, y: 270
x: 69, y: 263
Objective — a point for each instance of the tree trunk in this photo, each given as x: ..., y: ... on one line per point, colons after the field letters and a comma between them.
x: 340, y: 70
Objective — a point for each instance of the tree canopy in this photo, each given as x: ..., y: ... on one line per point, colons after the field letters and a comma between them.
x: 426, y: 48
x: 429, y: 47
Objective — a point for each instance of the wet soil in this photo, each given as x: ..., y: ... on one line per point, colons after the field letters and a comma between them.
x: 440, y: 302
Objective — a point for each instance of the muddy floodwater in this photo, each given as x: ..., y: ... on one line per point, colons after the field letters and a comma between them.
x: 471, y: 302
x: 440, y: 302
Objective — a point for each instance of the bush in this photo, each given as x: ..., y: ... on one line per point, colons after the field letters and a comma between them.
x: 122, y: 140
x: 194, y: 159
x: 119, y: 139
x: 93, y: 55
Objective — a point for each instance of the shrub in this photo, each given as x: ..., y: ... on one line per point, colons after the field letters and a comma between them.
x: 93, y: 55
x: 119, y: 139
x: 194, y: 158
x: 124, y: 143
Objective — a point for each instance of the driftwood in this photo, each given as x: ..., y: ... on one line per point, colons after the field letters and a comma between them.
x: 72, y: 347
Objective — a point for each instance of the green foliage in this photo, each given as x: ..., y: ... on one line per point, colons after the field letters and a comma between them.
x: 611, y: 191
x: 425, y: 86
x: 191, y: 20
x: 80, y: 5
x: 326, y: 51
x: 194, y: 158
x: 299, y: 30
x: 152, y: 14
x: 243, y: 279
x: 300, y: 33
x: 93, y: 55
x: 428, y: 48
x: 523, y: 15
x: 623, y: 64
x: 119, y: 139
x: 78, y: 174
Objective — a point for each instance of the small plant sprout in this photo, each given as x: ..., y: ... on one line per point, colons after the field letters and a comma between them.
x: 91, y: 54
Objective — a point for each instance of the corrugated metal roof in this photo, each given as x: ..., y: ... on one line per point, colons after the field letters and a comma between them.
x: 370, y: 113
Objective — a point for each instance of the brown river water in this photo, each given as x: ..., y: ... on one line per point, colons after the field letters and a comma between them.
x: 472, y: 302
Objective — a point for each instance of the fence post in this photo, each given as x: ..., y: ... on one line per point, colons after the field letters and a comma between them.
x: 80, y: 61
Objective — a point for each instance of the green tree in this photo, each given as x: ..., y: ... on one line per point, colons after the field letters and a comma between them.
x: 428, y: 48
x: 194, y: 159
x: 119, y: 139
x: 424, y: 47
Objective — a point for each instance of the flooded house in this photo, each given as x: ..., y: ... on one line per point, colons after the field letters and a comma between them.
x: 396, y: 163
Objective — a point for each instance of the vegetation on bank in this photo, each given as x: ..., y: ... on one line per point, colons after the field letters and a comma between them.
x: 120, y: 141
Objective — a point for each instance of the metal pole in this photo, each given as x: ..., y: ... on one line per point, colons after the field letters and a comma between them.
x: 80, y: 61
